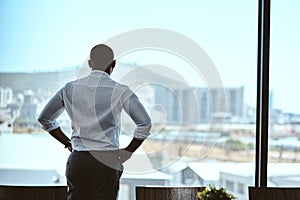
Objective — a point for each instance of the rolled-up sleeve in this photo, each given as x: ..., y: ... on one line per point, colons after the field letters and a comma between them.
x: 138, y: 114
x: 51, y: 112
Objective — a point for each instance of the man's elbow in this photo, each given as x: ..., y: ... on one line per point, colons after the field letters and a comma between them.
x: 147, y: 125
x: 41, y: 119
x: 143, y: 129
x: 44, y: 122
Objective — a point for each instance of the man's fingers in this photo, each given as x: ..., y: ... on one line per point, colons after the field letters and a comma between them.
x: 124, y: 155
x: 70, y: 148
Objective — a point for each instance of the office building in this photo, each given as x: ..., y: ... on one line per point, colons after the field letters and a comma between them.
x: 6, y: 96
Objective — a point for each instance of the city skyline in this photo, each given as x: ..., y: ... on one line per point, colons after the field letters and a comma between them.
x: 118, y: 75
x: 207, y: 100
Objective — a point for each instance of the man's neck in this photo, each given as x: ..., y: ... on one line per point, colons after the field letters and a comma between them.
x: 101, y: 71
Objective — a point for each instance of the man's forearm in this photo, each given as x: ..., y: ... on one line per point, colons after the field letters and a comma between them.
x: 134, y: 144
x: 126, y: 153
x: 61, y: 137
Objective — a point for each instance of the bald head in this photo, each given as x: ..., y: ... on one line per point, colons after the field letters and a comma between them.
x: 101, y: 57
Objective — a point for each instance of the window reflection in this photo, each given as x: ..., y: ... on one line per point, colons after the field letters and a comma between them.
x: 180, y: 149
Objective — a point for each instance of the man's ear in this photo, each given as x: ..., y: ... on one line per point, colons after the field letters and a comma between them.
x: 91, y: 64
x: 113, y: 64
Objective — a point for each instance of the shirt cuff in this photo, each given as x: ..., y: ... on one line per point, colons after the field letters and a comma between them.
x: 50, y: 126
x: 142, y: 133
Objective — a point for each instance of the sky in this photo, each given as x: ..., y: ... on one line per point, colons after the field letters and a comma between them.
x: 54, y: 35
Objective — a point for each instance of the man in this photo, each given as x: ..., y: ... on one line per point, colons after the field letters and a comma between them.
x: 94, y: 104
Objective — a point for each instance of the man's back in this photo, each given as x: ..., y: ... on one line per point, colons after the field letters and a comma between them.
x: 94, y: 104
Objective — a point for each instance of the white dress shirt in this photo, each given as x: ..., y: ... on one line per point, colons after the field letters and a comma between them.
x: 94, y: 104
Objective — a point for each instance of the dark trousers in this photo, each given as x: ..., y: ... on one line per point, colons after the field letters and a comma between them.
x: 93, y: 175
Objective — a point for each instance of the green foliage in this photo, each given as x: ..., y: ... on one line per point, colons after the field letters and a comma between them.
x: 212, y: 193
x: 235, y: 145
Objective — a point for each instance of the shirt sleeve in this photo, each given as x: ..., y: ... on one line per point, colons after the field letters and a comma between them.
x: 138, y: 114
x: 53, y: 109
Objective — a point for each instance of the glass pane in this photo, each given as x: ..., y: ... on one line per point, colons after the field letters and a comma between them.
x: 284, y: 122
x: 192, y: 64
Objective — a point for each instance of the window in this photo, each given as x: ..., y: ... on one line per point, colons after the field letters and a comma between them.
x: 186, y: 104
x: 241, y: 187
x: 230, y: 185
x: 284, y: 109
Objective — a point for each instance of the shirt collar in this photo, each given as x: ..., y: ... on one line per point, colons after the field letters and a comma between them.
x: 96, y: 72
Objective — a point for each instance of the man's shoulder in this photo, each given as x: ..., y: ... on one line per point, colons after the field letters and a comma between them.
x: 121, y: 86
x: 70, y: 83
x: 76, y: 81
x: 108, y: 82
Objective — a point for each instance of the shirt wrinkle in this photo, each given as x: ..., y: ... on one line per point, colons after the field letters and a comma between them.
x: 94, y: 104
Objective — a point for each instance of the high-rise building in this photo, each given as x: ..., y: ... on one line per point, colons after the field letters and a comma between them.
x: 220, y: 102
x: 200, y: 105
x: 167, y: 99
x: 204, y: 104
x: 29, y: 107
x: 235, y: 101
x: 189, y: 107
x: 6, y: 96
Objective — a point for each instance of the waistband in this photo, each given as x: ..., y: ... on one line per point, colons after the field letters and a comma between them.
x: 110, y: 153
x: 109, y: 158
x: 96, y: 151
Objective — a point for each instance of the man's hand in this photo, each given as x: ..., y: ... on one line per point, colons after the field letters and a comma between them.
x: 61, y: 137
x: 127, y: 152
x: 70, y: 147
x: 124, y: 155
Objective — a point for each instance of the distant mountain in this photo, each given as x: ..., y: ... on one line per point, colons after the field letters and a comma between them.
x: 34, y: 81
x: 127, y: 73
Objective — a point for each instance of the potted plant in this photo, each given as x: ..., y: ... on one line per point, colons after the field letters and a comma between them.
x: 212, y: 193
